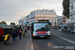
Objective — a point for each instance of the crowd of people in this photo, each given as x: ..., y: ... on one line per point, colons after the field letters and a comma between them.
x: 16, y: 32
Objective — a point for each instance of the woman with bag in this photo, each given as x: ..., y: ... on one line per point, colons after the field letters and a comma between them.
x: 20, y: 33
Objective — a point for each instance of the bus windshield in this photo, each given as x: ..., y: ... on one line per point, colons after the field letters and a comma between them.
x: 41, y: 27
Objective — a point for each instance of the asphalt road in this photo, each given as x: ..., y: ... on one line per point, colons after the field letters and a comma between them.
x: 57, y: 41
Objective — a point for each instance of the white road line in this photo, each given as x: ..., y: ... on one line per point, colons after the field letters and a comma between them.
x: 67, y: 40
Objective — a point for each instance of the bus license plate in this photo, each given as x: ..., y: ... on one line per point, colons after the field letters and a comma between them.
x: 41, y: 36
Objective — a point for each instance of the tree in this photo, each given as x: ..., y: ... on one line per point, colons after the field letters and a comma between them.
x: 12, y: 23
x: 3, y: 22
x: 66, y: 8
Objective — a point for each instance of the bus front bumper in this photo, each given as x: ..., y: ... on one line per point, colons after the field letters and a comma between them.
x: 42, y: 35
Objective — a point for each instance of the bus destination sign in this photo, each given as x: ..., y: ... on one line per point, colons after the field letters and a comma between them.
x: 43, y: 21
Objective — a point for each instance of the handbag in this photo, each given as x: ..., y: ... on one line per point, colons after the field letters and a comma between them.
x: 20, y: 31
x: 22, y: 34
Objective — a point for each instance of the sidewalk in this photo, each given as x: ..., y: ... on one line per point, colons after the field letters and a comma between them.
x: 25, y: 44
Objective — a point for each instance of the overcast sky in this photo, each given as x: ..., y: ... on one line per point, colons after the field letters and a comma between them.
x: 13, y: 10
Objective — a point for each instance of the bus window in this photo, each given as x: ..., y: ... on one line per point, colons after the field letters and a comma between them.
x: 41, y: 27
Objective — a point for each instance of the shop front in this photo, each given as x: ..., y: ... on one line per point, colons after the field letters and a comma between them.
x: 71, y: 26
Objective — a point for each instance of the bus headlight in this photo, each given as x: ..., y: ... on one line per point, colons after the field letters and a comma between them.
x: 34, y: 33
x: 48, y: 32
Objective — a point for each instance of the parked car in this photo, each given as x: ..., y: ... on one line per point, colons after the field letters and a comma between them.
x: 72, y: 30
x: 64, y: 29
x: 68, y: 30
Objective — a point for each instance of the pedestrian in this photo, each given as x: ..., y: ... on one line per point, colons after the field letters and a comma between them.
x: 1, y: 34
x: 20, y: 33
x: 23, y: 32
x: 28, y: 27
x: 10, y: 39
x: 10, y: 32
x: 16, y: 33
x: 14, y: 36
x: 25, y: 28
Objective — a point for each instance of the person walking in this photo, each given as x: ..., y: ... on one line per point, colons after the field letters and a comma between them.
x: 25, y: 33
x: 20, y: 33
x: 14, y: 35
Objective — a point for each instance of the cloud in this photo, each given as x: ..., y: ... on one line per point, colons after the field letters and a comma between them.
x: 13, y: 10
x: 19, y: 13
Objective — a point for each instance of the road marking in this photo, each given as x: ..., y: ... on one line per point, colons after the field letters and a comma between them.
x: 67, y: 40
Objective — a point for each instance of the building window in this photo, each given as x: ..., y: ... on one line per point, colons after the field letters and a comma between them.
x: 35, y: 18
x: 39, y: 18
x: 49, y: 13
x: 71, y: 1
x: 39, y: 13
x: 71, y: 18
x: 46, y: 10
x: 52, y: 20
x: 49, y: 20
x: 36, y: 13
x: 48, y: 16
x: 42, y: 13
x: 55, y: 19
x: 45, y: 13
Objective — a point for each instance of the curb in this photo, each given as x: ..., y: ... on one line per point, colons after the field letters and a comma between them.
x: 31, y: 46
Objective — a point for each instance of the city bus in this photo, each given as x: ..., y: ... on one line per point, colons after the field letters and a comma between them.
x: 40, y: 28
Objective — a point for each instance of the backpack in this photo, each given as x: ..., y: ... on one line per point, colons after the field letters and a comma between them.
x: 20, y: 31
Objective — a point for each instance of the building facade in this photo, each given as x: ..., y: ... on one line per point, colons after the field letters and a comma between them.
x: 59, y: 20
x: 72, y: 11
x: 21, y: 21
x: 26, y: 20
x: 43, y: 14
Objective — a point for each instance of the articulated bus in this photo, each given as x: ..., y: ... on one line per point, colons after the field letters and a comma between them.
x: 40, y: 28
